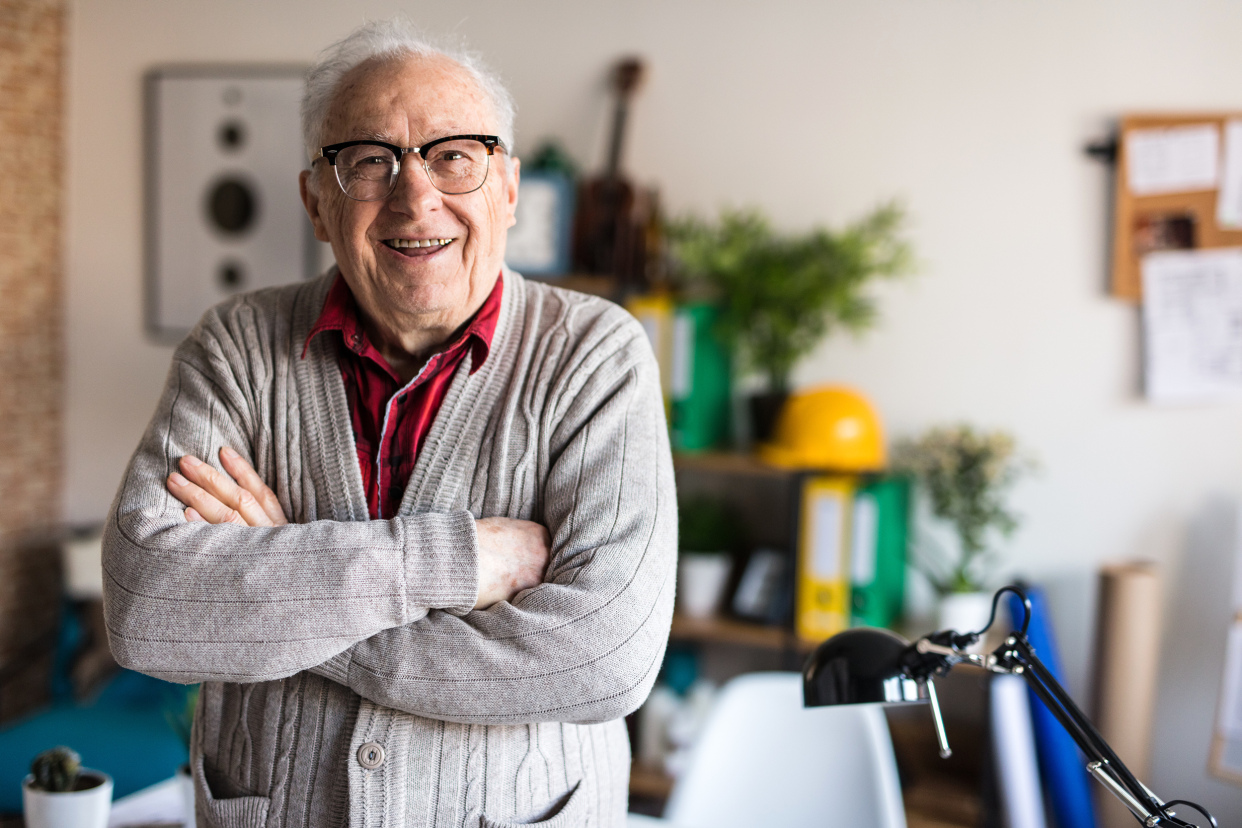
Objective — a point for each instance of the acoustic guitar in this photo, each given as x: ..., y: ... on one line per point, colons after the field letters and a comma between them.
x: 614, y: 219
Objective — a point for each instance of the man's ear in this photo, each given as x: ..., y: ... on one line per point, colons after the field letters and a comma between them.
x: 310, y: 200
x: 515, y: 175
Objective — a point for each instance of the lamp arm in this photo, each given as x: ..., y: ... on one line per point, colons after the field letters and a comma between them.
x: 1017, y: 656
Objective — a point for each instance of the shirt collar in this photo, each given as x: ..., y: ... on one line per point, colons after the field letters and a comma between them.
x: 340, y: 313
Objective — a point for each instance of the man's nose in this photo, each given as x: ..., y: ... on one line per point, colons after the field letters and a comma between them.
x: 414, y: 191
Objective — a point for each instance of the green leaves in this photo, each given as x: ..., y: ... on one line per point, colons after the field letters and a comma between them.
x: 709, y: 525
x: 966, y: 475
x: 181, y: 719
x: 780, y: 295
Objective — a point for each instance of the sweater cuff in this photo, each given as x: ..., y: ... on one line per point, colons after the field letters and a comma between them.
x: 441, y: 562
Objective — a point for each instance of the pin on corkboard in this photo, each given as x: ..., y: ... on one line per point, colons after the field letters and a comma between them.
x: 1149, y: 217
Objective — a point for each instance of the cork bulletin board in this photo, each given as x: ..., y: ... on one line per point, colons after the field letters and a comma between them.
x: 32, y: 36
x: 1183, y: 214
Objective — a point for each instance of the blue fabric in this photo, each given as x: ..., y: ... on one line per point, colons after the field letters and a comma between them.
x: 124, y: 732
x: 1061, y: 765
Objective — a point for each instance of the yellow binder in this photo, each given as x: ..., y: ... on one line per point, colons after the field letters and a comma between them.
x: 823, y: 605
x: 655, y: 313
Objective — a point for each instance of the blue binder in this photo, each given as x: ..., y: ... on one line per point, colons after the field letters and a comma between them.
x: 1061, y: 766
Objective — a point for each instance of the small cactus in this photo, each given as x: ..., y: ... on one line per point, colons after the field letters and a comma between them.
x: 56, y: 770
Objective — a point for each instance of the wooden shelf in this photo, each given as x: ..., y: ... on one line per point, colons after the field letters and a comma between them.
x: 727, y: 462
x: 652, y: 782
x: 729, y: 631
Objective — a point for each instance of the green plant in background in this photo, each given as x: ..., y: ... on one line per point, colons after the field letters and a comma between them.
x: 708, y: 525
x: 56, y: 770
x: 966, y: 475
x: 781, y: 294
x: 181, y: 720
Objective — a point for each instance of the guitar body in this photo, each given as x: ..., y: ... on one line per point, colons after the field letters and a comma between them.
x: 602, y: 223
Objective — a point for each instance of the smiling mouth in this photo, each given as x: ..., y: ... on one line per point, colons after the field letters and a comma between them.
x: 403, y: 244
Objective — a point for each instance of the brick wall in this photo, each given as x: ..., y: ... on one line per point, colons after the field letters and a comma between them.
x: 31, y: 171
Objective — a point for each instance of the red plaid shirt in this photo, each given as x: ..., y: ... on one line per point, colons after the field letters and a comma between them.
x: 391, y: 420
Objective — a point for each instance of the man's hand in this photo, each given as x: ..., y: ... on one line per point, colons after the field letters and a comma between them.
x: 513, y: 554
x: 218, y: 498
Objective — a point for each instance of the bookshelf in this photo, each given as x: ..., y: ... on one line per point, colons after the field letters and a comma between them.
x: 727, y: 462
x: 739, y: 633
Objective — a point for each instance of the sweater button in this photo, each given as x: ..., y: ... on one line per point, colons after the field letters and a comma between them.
x: 371, y: 755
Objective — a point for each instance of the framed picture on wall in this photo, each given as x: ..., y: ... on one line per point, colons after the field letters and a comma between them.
x: 223, y: 154
x: 539, y: 243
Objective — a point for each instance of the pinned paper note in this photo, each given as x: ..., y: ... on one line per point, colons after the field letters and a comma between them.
x: 1192, y: 325
x: 1172, y: 159
x: 1229, y: 200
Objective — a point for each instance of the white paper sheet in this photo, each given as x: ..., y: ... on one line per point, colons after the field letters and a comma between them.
x: 160, y: 804
x: 1173, y: 159
x: 1192, y: 325
x: 1229, y: 199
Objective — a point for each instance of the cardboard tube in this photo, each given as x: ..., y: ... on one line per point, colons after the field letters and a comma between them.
x: 1127, y: 652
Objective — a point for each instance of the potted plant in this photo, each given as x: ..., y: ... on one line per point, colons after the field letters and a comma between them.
x: 708, y: 535
x: 60, y: 793
x: 779, y: 295
x: 965, y: 476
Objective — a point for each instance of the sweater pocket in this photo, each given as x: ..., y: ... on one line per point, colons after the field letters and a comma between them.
x: 571, y: 813
x: 215, y: 809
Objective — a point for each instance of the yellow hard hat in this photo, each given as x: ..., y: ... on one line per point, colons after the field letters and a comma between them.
x: 827, y: 428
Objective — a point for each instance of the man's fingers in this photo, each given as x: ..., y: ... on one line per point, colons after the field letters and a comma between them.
x: 191, y: 515
x: 206, y: 505
x: 222, y: 488
x: 248, y: 479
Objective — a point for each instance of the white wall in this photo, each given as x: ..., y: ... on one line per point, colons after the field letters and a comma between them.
x: 974, y: 113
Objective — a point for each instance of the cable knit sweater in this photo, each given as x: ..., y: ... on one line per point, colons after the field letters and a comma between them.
x: 346, y: 679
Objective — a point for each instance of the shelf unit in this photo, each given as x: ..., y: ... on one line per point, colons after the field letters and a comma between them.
x: 763, y: 496
x: 739, y: 633
x: 727, y: 462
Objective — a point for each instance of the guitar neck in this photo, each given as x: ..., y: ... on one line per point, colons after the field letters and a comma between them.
x: 619, y: 115
x: 626, y: 77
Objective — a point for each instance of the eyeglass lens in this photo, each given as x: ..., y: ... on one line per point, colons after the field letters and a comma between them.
x: 368, y: 173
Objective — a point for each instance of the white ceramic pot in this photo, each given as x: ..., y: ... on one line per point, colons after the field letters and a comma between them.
x: 965, y: 612
x: 71, y: 809
x: 701, y: 581
x: 186, y: 783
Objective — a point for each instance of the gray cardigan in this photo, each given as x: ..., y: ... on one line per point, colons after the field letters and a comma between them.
x: 346, y: 679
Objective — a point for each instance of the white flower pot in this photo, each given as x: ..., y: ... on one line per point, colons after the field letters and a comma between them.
x: 71, y: 809
x: 965, y: 612
x: 701, y: 581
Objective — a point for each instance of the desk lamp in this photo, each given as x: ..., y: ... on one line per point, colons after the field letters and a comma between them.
x: 873, y: 665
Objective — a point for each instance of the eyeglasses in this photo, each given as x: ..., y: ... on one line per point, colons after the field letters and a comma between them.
x: 368, y: 170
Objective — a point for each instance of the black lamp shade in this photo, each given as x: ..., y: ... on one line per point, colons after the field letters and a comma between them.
x: 860, y: 666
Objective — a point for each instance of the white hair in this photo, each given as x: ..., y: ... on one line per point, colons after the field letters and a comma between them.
x: 387, y: 40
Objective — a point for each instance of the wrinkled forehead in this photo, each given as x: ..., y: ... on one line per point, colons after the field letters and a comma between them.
x: 408, y: 100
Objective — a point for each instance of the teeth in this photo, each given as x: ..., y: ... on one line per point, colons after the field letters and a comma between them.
x: 401, y: 243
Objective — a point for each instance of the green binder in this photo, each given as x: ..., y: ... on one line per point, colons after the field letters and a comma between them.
x: 878, y: 551
x: 700, y: 381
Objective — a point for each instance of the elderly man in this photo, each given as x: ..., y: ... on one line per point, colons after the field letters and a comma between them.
x: 434, y: 567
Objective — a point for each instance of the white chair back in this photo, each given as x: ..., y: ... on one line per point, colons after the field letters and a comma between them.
x: 765, y: 761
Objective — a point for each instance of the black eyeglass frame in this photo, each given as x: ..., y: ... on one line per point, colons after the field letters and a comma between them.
x: 490, y: 143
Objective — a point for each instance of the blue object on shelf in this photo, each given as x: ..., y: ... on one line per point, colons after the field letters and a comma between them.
x: 1061, y: 765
